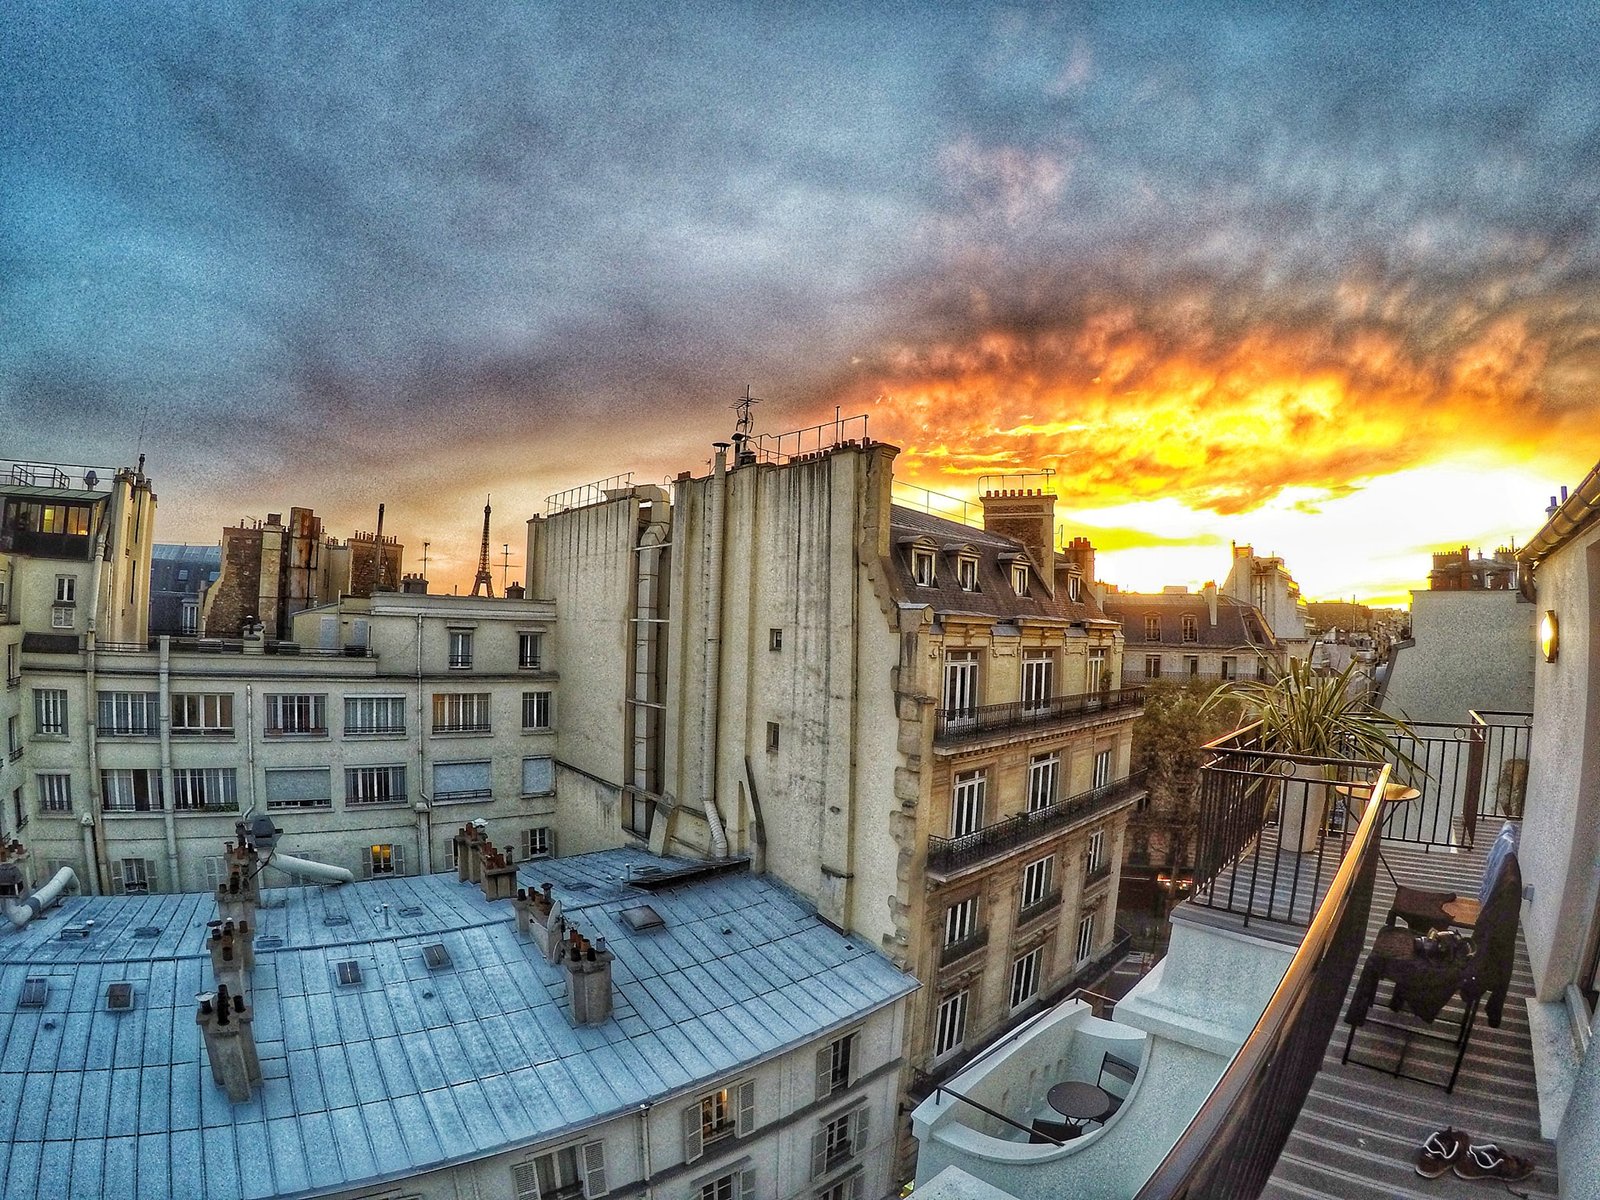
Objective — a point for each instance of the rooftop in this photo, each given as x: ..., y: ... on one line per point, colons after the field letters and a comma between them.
x: 412, y: 1068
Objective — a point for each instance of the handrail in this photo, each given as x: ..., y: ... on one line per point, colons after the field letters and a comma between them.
x: 974, y: 719
x: 1207, y: 1162
x: 1000, y: 1116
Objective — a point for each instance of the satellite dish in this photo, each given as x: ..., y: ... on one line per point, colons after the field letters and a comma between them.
x: 91, y: 478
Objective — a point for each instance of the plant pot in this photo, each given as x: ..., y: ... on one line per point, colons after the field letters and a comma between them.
x: 1302, y: 808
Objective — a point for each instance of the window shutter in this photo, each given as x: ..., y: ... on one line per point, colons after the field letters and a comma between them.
x: 747, y: 1107
x: 116, y: 877
x: 854, y: 1072
x: 397, y: 856
x: 594, y: 1169
x: 824, y: 1072
x: 525, y: 1181
x: 858, y: 1137
x: 819, y: 1153
x: 747, y: 1184
x: 857, y: 1185
x: 366, y: 868
x: 692, y: 1146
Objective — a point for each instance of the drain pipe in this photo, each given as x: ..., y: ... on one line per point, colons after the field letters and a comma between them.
x: 170, y: 792
x: 712, y: 577
x: 95, y: 822
x: 19, y: 913
x: 306, y: 869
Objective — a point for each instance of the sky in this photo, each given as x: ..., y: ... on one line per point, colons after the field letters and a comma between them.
x: 1320, y: 278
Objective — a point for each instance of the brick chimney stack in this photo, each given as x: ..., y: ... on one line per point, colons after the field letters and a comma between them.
x: 1210, y: 593
x: 1080, y: 553
x: 499, y: 873
x: 546, y: 924
x: 588, y: 970
x: 226, y: 1026
x: 1028, y: 516
x: 233, y: 955
x: 238, y: 895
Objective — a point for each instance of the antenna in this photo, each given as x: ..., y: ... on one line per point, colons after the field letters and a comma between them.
x: 746, y: 422
x: 505, y: 565
x: 483, y: 579
x: 425, y: 546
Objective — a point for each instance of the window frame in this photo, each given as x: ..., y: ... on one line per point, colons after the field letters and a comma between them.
x: 480, y: 704
x: 459, y: 649
x: 1152, y: 627
x: 1035, y: 886
x: 131, y: 790
x: 130, y: 713
x: 369, y: 710
x: 950, y: 1023
x: 1044, y: 780
x: 967, y: 572
x: 1027, y: 972
x: 961, y: 687
x: 1085, y: 942
x: 961, y: 920
x: 51, y: 713
x: 365, y: 777
x: 968, y: 793
x: 1038, y: 680
x: 193, y: 788
x: 1020, y: 579
x: 214, y: 711
x: 538, y: 704
x: 1191, y: 628
x: 924, y: 567
x: 530, y: 649
x: 1101, y: 771
x: 55, y: 792
x: 306, y: 713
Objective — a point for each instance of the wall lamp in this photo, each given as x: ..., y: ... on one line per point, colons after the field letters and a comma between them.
x: 1549, y: 635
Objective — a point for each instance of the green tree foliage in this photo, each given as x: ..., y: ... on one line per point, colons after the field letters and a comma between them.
x: 1177, y: 721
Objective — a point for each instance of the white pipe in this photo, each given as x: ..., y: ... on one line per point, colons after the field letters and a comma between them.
x: 20, y: 913
x: 306, y: 869
x: 712, y: 697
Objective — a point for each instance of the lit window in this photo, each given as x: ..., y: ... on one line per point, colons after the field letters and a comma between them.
x: 385, y: 859
x: 726, y: 1112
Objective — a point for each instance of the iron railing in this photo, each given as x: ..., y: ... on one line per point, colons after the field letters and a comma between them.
x: 1467, y: 774
x: 951, y: 854
x: 1231, y: 1146
x: 976, y: 940
x: 1044, y: 904
x: 955, y: 724
x: 1094, y: 875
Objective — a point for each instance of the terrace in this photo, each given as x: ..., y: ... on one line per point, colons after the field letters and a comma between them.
x: 1244, y: 1094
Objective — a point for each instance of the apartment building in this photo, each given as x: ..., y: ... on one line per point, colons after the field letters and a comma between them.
x: 1179, y: 636
x: 1263, y: 581
x: 906, y: 718
x: 368, y: 737
x: 618, y: 1024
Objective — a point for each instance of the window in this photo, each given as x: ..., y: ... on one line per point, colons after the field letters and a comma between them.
x: 967, y: 573
x: 385, y: 859
x: 374, y: 785
x: 366, y: 716
x: 535, y: 710
x: 726, y: 1112
x: 1075, y: 588
x: 774, y: 639
x: 202, y: 712
x: 55, y: 792
x: 838, y: 1065
x: 189, y: 615
x: 960, y: 921
x: 538, y: 842
x: 1025, y: 977
x: 1152, y: 629
x: 966, y: 803
x: 1191, y: 665
x: 19, y: 811
x: 461, y: 712
x: 457, y: 781
x: 838, y: 1141
x: 924, y: 567
x: 1191, y: 628
x: 849, y: 1188
x: 1036, y: 880
x: 205, y: 789
x: 1230, y: 667
x: 735, y: 1185
x: 1095, y: 858
x: 1102, y: 769
x: 565, y: 1174
x: 131, y: 876
x: 1037, y: 671
x: 1098, y: 677
x: 1261, y: 669
x: 13, y: 672
x: 637, y: 812
x: 538, y: 776
x: 299, y: 787
x: 529, y: 646
x: 1152, y: 666
x: 460, y: 649
x: 50, y: 711
x: 304, y: 713
x: 14, y: 737
x: 1044, y: 775
x: 1086, y: 937
x: 136, y: 714
x: 61, y: 617
x: 772, y: 737
x: 216, y: 869
x: 950, y: 1024
x: 1019, y: 578
x: 66, y: 589
x: 960, y: 686
x: 130, y: 791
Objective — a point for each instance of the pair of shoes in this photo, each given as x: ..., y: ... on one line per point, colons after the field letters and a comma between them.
x: 1440, y: 1150
x: 1488, y: 1161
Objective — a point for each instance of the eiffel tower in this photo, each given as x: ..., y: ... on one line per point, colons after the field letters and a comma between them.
x: 484, y: 580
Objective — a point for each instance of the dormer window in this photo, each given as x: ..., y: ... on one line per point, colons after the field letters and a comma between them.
x: 1019, y: 578
x: 1152, y: 629
x: 967, y: 573
x: 1075, y: 588
x: 924, y: 567
x: 1191, y: 628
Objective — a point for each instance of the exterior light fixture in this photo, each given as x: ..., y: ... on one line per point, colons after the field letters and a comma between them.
x: 1549, y: 635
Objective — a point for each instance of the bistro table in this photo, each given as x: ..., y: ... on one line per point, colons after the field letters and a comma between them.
x: 1355, y: 797
x: 1078, y: 1102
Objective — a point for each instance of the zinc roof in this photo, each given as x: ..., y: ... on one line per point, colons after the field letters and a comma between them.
x: 411, y: 1069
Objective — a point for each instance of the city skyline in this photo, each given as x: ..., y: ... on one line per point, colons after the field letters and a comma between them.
x: 1324, y: 283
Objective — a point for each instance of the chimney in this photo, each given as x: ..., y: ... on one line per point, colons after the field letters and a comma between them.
x: 232, y: 955
x: 522, y: 905
x: 515, y: 591
x: 1028, y: 516
x: 499, y: 874
x: 1080, y: 553
x: 226, y: 1023
x: 463, y: 841
x: 588, y: 968
x: 414, y: 585
x: 546, y: 925
x: 1210, y: 593
x: 238, y: 895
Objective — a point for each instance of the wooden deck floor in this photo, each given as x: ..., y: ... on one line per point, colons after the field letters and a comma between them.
x: 1359, y: 1129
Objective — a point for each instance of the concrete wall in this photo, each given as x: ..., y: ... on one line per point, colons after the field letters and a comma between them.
x: 1473, y: 650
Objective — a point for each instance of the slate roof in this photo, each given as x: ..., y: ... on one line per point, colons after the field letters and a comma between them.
x: 411, y: 1069
x: 1238, y: 624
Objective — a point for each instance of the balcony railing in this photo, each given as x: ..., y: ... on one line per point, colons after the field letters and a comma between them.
x: 1094, y: 875
x: 955, y: 724
x: 976, y: 940
x: 951, y: 854
x: 1044, y: 904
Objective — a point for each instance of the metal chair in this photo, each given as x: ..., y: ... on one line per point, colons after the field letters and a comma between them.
x: 1117, y: 1068
x: 1423, y: 910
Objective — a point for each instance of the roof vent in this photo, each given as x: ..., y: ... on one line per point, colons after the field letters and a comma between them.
x: 76, y: 931
x: 147, y: 931
x: 349, y: 973
x: 336, y: 920
x: 641, y: 917
x: 119, y: 997
x: 436, y: 956
x: 411, y: 910
x: 34, y: 990
x: 270, y: 942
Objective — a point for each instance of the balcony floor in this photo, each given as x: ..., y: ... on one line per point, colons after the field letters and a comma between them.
x: 1359, y: 1130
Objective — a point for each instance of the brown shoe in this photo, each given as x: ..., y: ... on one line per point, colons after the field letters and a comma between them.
x: 1439, y: 1150
x: 1488, y: 1161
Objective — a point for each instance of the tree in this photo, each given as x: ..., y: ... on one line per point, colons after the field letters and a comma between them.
x: 1177, y: 721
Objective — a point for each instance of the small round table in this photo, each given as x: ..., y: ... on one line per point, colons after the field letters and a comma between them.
x: 1355, y: 797
x: 1079, y: 1103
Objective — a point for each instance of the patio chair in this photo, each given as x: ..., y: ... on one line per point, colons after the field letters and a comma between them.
x: 1044, y: 1130
x: 1117, y: 1068
x: 1423, y: 910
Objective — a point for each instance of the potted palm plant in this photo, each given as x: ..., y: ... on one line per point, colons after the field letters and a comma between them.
x: 1315, y: 715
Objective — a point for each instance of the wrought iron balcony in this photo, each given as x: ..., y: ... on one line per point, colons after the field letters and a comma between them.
x: 1094, y: 875
x: 957, y: 724
x: 952, y: 854
x: 1044, y: 904
x: 976, y: 940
